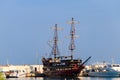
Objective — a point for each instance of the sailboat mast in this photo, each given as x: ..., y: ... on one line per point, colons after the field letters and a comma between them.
x: 72, y: 36
x: 55, y: 49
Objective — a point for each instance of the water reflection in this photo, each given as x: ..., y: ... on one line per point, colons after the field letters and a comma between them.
x: 45, y: 78
x: 41, y: 78
x: 80, y: 78
x: 31, y: 78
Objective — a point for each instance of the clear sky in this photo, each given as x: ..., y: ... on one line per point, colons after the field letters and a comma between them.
x: 25, y: 29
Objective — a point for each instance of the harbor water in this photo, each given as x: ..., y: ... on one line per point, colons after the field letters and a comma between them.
x: 80, y: 78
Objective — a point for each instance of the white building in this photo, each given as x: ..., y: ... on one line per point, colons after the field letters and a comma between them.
x: 26, y: 68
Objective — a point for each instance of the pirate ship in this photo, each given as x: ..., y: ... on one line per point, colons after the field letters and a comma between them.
x: 63, y: 66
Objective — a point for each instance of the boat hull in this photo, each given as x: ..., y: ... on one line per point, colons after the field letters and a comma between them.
x: 63, y: 73
x: 104, y: 74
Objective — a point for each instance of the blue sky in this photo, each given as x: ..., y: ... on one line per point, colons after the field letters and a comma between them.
x: 25, y: 29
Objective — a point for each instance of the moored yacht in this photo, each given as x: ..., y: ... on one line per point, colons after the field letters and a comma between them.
x: 16, y: 74
x: 106, y: 70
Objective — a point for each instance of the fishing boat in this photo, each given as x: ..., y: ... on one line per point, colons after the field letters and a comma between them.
x: 63, y: 66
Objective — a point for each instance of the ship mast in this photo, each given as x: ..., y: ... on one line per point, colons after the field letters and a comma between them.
x: 55, y: 50
x: 72, y: 36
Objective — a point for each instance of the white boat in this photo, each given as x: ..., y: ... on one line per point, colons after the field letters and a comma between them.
x: 105, y: 73
x: 108, y: 70
x: 17, y: 74
x: 115, y: 67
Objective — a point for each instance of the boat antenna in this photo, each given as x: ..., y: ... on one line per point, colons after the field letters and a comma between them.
x: 7, y: 62
x: 72, y: 36
x: 37, y: 59
x: 55, y: 49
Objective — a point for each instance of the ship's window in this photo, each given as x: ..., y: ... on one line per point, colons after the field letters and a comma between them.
x: 78, y: 63
x: 115, y: 65
x: 109, y: 65
x: 54, y: 64
x: 62, y: 63
x: 105, y: 66
x: 118, y: 66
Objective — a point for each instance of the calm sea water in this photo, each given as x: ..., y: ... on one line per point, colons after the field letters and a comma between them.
x: 80, y: 78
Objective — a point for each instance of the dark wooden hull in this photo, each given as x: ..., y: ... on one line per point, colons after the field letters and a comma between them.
x: 63, y: 73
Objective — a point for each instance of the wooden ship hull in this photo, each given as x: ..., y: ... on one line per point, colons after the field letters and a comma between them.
x: 63, y: 73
